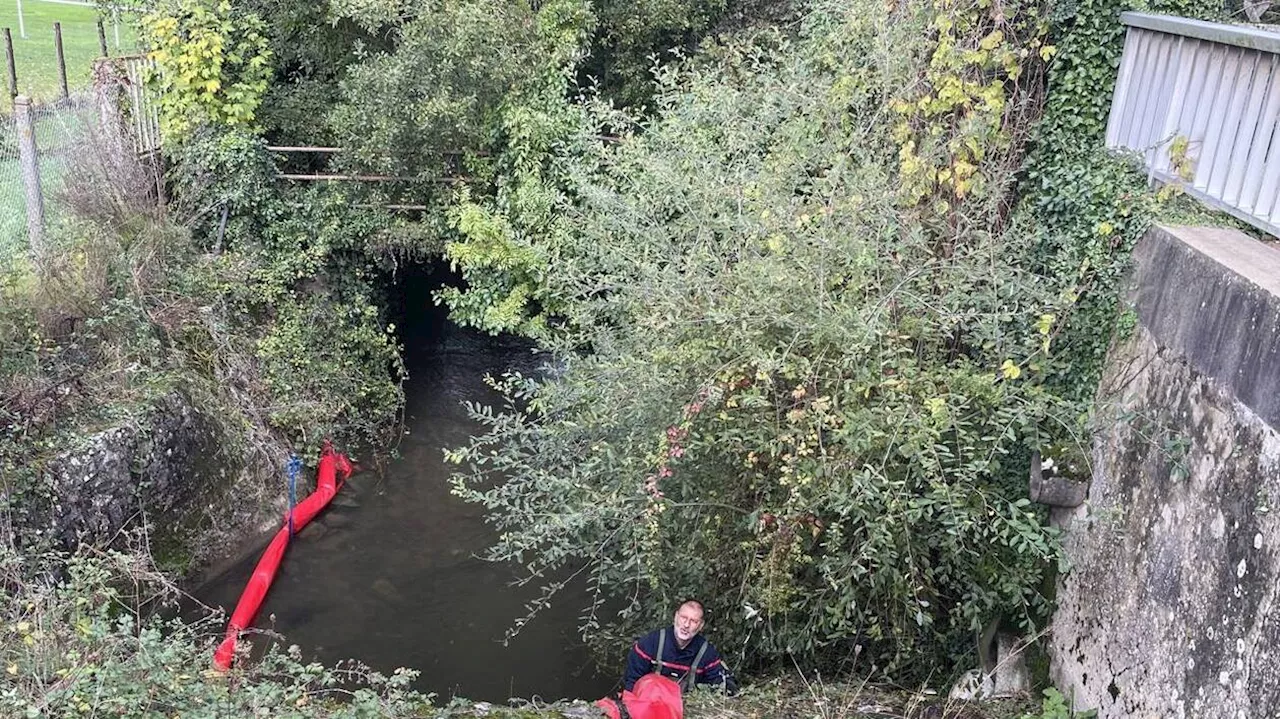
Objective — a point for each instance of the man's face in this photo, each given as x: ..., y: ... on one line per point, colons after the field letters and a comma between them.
x: 688, y: 622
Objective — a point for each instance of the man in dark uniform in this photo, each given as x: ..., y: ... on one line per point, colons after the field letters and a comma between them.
x: 679, y: 652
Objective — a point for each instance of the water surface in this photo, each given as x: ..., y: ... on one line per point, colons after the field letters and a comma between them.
x: 389, y: 573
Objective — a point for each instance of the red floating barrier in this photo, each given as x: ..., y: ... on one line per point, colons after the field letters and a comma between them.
x: 333, y: 471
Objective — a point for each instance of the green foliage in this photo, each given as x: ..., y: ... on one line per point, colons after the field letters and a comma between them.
x: 371, y: 14
x: 225, y: 186
x: 504, y: 275
x: 962, y: 125
x: 346, y: 389
x: 506, y: 244
x: 1056, y: 706
x: 634, y: 37
x: 212, y: 64
x: 805, y: 694
x: 294, y: 283
x: 499, y: 113
x: 81, y: 348
x: 266, y: 322
x: 311, y: 48
x: 93, y: 644
x: 447, y: 79
x: 809, y: 399
x: 504, y: 109
x: 1084, y: 208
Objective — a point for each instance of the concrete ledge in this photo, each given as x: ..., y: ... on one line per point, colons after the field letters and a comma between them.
x: 1213, y: 295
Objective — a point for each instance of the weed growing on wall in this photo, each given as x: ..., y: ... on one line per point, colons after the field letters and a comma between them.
x: 1083, y: 208
x: 264, y: 317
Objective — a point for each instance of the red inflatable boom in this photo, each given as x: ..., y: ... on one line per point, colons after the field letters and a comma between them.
x: 333, y: 471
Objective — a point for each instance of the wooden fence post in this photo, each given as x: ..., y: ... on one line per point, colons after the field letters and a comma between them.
x: 13, y: 69
x: 29, y: 161
x: 102, y: 38
x: 62, y: 59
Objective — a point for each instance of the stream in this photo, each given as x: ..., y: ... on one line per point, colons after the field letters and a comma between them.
x: 389, y: 573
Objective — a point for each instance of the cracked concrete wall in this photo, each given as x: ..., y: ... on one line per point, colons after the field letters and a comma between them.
x: 1172, y: 606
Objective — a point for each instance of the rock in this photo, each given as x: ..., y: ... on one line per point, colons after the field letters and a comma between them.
x: 161, y: 461
x: 1011, y: 677
x: 385, y: 589
x: 1055, y: 490
x: 974, y: 685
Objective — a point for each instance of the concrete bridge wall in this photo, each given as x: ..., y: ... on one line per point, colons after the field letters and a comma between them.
x: 1172, y: 608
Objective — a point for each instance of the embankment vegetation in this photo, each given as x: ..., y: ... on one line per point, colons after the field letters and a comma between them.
x: 820, y: 278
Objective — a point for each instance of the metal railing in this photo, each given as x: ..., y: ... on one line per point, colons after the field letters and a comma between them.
x: 1201, y: 102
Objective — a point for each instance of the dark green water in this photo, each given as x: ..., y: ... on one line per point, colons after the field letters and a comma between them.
x: 389, y: 575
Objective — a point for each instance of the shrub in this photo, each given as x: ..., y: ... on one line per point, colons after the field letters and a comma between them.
x: 212, y: 64
x: 816, y: 368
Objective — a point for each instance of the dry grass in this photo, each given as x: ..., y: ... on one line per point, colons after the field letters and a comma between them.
x: 795, y: 696
x: 792, y: 696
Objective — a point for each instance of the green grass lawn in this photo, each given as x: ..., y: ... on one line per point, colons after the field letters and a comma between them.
x: 13, y: 213
x: 34, y: 55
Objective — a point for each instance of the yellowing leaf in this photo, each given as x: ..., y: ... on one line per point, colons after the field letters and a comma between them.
x: 1045, y: 323
x: 992, y: 41
x: 1010, y: 370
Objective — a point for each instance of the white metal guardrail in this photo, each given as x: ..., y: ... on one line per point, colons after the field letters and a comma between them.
x: 1201, y: 102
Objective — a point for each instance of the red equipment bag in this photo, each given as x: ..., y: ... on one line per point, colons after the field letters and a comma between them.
x: 653, y: 697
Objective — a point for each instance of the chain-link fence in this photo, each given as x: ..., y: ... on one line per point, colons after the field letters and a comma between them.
x: 94, y: 147
x: 13, y: 212
x: 59, y: 131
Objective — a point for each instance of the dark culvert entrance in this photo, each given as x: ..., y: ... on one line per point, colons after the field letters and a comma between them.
x: 388, y: 574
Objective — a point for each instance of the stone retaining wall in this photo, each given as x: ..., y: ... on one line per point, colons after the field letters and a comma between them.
x: 1172, y: 608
